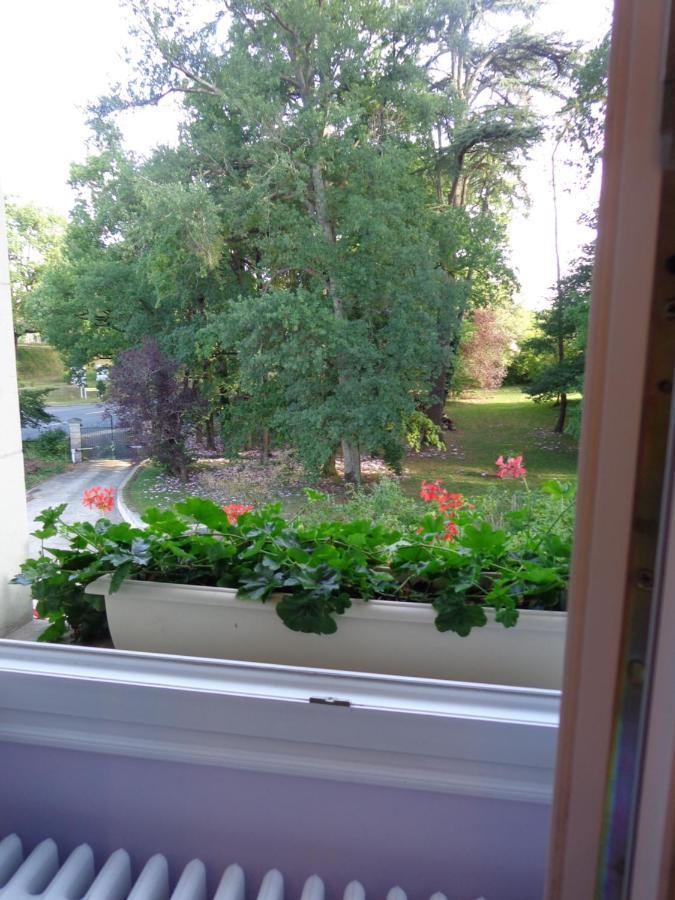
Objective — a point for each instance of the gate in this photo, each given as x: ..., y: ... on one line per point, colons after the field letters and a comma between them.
x: 106, y: 442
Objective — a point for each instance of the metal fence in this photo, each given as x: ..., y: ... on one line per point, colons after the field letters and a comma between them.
x: 107, y: 442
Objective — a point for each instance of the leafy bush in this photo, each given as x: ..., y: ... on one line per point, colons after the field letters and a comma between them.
x: 383, y: 504
x: 421, y: 432
x: 316, y: 568
x: 52, y: 444
x: 151, y: 396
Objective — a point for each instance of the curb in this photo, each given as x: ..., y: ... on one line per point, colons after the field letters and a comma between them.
x: 125, y: 511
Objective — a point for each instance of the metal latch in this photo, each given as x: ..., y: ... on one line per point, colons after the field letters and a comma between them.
x: 329, y: 701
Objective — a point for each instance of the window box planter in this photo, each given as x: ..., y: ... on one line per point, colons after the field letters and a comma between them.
x: 380, y: 636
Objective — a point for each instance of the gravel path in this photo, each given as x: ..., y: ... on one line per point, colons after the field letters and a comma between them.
x: 69, y: 488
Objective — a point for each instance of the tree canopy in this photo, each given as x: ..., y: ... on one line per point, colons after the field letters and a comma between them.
x: 337, y: 201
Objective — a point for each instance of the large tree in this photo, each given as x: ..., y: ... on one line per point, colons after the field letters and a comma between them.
x: 34, y: 237
x: 337, y: 200
x: 485, y: 64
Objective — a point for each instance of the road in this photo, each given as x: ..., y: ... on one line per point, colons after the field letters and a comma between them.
x: 91, y: 414
x: 69, y: 488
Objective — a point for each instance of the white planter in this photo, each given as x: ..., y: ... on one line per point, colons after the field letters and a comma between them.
x: 379, y: 636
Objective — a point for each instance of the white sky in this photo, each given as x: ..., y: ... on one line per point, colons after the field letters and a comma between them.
x: 57, y: 55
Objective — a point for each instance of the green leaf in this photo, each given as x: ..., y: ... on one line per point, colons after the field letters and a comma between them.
x: 507, y: 616
x: 453, y: 614
x: 315, y: 496
x: 306, y: 613
x: 483, y: 539
x: 206, y: 512
x: 119, y: 575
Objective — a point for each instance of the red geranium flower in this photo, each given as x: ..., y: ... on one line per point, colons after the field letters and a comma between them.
x: 234, y: 510
x: 102, y: 498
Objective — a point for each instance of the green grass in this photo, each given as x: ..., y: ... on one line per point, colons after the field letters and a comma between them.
x: 39, y: 367
x: 142, y: 482
x: 39, y: 364
x: 487, y: 425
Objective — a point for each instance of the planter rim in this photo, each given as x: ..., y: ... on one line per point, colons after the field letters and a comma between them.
x: 414, y: 613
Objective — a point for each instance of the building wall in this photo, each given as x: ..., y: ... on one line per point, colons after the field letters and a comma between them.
x: 15, y: 606
x: 423, y: 841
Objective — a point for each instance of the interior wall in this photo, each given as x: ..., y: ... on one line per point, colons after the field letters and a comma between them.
x: 465, y: 847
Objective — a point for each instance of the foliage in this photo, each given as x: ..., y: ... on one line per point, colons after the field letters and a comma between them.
x: 33, y: 241
x: 338, y: 198
x: 588, y: 105
x: 421, y: 432
x: 563, y: 329
x: 152, y: 397
x: 316, y: 569
x: 383, y: 503
x: 483, y: 352
x: 32, y: 408
x: 52, y: 443
x: 46, y: 456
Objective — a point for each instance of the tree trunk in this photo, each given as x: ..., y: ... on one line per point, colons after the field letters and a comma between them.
x: 350, y: 450
x: 211, y: 433
x: 328, y: 469
x: 562, y: 413
x: 440, y: 391
x: 265, y: 446
x: 351, y: 458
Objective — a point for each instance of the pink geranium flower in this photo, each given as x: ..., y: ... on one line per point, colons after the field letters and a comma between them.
x: 511, y: 468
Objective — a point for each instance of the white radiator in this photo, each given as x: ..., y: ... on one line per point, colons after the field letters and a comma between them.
x: 40, y: 876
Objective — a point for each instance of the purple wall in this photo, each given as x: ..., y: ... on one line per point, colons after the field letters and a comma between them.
x: 423, y: 841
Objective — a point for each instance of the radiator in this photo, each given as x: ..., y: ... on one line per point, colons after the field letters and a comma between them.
x: 39, y: 877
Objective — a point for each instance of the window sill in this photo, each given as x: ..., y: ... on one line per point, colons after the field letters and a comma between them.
x: 476, y: 740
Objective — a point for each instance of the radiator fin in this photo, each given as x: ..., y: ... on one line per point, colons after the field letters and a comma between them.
x: 40, y: 877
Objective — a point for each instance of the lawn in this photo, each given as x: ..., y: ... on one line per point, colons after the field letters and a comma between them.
x: 486, y: 425
x: 39, y: 367
x: 489, y: 424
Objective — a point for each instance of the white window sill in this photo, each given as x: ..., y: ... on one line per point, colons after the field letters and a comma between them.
x: 477, y: 740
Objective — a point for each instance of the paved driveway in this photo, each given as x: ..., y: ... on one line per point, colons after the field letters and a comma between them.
x: 69, y: 488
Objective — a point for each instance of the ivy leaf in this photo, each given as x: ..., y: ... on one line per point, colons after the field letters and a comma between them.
x: 306, y: 613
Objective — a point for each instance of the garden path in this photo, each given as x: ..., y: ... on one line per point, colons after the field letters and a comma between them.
x: 69, y: 487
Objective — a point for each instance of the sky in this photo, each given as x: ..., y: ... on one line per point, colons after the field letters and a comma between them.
x: 58, y: 55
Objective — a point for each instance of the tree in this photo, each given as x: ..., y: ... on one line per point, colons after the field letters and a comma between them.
x: 32, y: 408
x: 564, y: 326
x: 562, y: 338
x: 151, y: 396
x: 292, y: 252
x: 33, y: 238
x: 308, y: 117
x: 484, y: 351
x: 485, y: 66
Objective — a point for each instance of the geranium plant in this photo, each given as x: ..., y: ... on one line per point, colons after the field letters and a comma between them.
x: 315, y: 570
